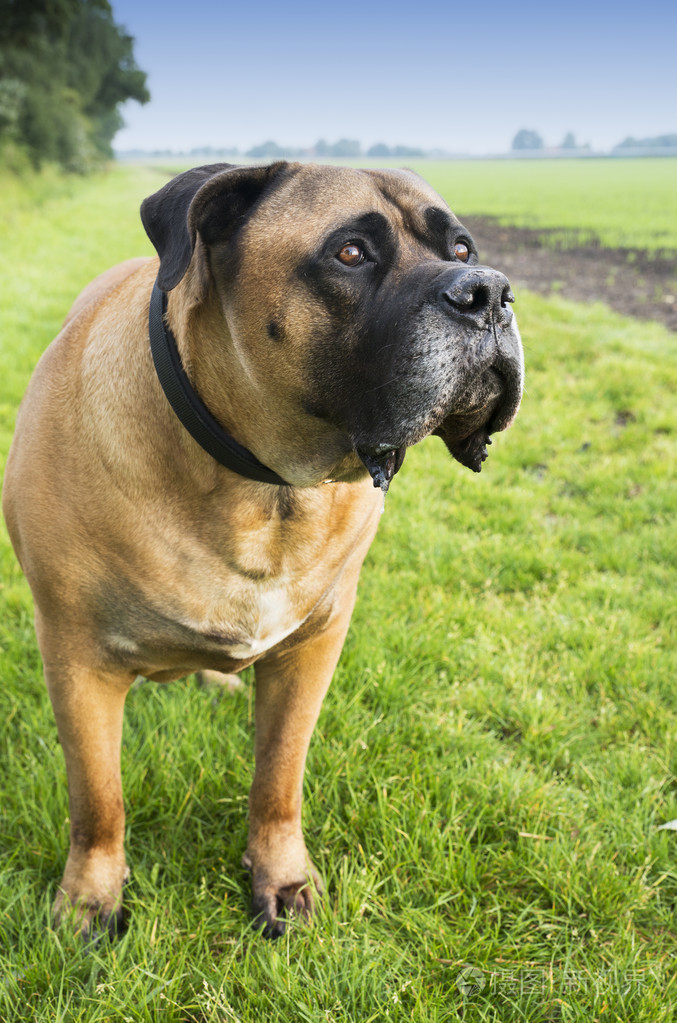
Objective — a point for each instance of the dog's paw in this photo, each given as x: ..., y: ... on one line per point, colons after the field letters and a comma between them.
x: 275, y: 903
x: 90, y: 919
x: 92, y: 912
x: 272, y: 909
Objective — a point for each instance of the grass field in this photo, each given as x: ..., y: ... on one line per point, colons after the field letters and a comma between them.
x: 622, y: 203
x: 496, y: 753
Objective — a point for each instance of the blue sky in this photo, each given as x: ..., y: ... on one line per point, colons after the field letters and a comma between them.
x: 461, y: 75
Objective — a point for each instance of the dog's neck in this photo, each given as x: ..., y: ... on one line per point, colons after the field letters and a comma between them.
x: 188, y: 405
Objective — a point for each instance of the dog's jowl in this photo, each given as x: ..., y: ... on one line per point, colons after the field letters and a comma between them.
x: 200, y: 460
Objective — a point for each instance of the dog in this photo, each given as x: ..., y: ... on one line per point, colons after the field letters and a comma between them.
x: 203, y: 500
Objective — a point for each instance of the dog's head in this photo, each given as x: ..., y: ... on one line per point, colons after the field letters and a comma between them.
x: 357, y: 306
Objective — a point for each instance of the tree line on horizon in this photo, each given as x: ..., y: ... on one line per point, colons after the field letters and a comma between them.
x: 527, y: 139
x: 65, y: 67
x: 322, y: 148
x: 524, y: 141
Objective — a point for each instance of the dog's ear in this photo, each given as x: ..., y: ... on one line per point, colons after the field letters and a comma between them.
x: 214, y: 200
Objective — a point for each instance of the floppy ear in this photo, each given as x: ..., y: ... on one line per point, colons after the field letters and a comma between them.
x: 213, y: 200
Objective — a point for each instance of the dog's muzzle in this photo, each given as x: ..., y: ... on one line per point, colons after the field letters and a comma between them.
x: 458, y: 373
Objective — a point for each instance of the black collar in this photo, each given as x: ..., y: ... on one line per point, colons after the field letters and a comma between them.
x: 188, y: 406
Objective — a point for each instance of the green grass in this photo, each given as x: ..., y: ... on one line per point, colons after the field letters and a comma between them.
x: 623, y: 203
x: 508, y: 674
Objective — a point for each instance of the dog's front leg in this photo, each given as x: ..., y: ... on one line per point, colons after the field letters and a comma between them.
x: 88, y: 706
x: 290, y: 687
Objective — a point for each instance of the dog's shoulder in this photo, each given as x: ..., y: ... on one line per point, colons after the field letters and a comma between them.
x: 105, y: 283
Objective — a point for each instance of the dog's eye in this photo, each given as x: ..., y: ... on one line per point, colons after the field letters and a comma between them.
x: 462, y: 252
x: 351, y: 255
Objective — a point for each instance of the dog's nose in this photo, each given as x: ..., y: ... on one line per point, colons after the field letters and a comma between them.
x: 479, y: 293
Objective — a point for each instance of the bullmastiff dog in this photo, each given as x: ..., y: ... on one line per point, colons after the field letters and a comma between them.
x: 203, y: 500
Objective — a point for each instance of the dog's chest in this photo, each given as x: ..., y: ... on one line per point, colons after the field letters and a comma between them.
x: 262, y: 620
x: 218, y: 627
x: 221, y: 598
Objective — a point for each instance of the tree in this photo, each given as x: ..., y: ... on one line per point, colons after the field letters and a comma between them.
x: 407, y: 151
x: 345, y: 147
x: 65, y: 68
x: 657, y: 142
x: 22, y: 21
x: 12, y: 96
x: 379, y: 149
x: 569, y: 141
x: 266, y: 151
x: 526, y: 139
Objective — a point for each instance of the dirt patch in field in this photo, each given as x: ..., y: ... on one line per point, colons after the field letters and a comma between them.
x: 635, y: 282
